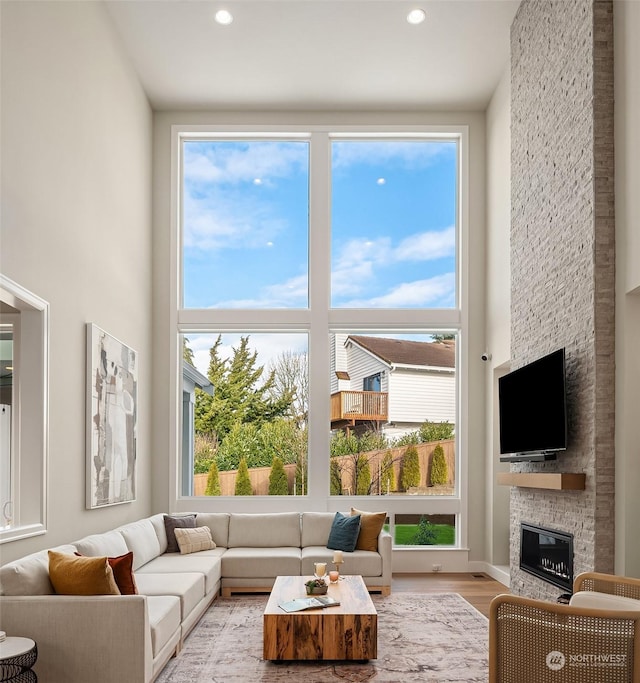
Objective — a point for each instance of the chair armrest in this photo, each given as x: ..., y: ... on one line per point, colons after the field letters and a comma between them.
x: 607, y: 583
x: 532, y: 640
x: 101, y: 638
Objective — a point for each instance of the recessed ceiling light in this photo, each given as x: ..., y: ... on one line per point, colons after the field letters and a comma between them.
x: 416, y: 16
x: 224, y: 17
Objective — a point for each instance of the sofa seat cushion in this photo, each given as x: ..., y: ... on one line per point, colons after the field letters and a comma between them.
x: 30, y: 574
x: 261, y: 562
x: 164, y: 619
x: 188, y: 586
x: 363, y: 562
x: 271, y: 530
x: 170, y: 563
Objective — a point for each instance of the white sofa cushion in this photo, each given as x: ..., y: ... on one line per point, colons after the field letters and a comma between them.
x: 188, y: 586
x: 218, y: 523
x: 363, y: 562
x: 171, y: 563
x: 272, y: 530
x: 316, y: 527
x: 109, y: 544
x: 164, y: 619
x: 261, y: 562
x: 30, y: 575
x: 595, y: 600
x: 141, y: 537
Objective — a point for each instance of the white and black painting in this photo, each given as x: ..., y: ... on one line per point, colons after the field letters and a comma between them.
x: 112, y: 372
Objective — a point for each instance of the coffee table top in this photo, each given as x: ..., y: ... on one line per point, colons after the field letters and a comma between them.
x: 350, y: 590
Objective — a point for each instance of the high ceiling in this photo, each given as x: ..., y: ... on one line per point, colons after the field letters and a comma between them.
x: 340, y: 55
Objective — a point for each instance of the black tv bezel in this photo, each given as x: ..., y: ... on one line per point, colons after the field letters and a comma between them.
x: 535, y: 455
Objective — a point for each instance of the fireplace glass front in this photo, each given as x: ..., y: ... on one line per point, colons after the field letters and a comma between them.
x: 547, y: 554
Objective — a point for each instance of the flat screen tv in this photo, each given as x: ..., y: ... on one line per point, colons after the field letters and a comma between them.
x: 532, y: 406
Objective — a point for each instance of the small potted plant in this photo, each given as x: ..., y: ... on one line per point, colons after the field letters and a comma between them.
x: 316, y: 587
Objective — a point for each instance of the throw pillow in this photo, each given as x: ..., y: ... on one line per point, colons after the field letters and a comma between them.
x: 122, y: 567
x: 72, y: 575
x: 344, y: 532
x: 371, y: 524
x: 173, y: 522
x: 194, y: 540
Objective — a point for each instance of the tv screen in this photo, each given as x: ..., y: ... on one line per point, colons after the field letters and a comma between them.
x: 532, y: 407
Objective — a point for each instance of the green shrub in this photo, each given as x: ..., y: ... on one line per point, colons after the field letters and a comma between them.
x: 435, y: 431
x: 278, y: 484
x: 363, y: 476
x: 425, y: 534
x: 213, y: 481
x: 439, y: 469
x: 387, y: 474
x: 243, y: 482
x: 410, y: 470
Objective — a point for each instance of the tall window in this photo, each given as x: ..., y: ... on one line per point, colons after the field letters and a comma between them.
x: 321, y: 316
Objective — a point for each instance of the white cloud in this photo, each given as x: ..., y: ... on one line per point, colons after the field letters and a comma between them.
x: 293, y: 293
x: 406, y: 153
x: 427, y: 246
x: 438, y: 291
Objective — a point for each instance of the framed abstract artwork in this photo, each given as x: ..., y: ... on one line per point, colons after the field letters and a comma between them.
x: 112, y: 412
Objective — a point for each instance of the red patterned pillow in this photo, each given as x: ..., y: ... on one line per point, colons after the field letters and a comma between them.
x: 122, y: 567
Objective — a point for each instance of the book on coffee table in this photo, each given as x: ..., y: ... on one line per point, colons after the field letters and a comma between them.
x: 299, y: 604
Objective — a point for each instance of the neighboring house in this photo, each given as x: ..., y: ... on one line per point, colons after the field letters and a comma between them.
x: 391, y: 384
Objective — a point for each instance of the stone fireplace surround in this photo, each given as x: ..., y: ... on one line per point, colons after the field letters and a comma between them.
x: 562, y: 261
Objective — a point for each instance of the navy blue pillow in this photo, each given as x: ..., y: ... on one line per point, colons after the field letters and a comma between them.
x: 344, y: 532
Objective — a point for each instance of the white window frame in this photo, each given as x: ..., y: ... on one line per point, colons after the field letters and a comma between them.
x: 318, y: 320
x: 30, y: 412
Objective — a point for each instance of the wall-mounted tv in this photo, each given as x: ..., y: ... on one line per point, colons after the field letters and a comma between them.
x: 532, y: 406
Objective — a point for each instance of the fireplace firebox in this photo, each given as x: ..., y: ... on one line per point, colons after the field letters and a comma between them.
x: 547, y: 554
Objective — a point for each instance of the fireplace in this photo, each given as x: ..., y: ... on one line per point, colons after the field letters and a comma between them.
x: 547, y: 554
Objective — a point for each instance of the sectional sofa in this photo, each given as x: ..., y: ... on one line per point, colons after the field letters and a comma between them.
x: 106, y: 638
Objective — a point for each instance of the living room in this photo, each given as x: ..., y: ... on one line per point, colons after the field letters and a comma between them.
x: 87, y: 214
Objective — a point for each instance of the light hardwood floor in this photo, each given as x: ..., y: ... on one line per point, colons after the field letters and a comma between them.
x: 477, y: 588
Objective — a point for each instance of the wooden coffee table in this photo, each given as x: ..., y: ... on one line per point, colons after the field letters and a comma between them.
x: 347, y: 631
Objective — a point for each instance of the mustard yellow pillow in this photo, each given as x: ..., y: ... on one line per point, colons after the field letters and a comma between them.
x: 72, y: 575
x: 371, y: 524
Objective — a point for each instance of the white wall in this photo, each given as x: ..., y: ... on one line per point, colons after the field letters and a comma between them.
x: 76, y: 226
x: 498, y: 327
x: 627, y: 155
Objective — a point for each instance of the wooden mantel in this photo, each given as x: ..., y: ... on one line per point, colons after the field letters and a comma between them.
x: 559, y: 481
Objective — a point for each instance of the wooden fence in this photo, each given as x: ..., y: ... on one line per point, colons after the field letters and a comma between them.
x: 346, y: 463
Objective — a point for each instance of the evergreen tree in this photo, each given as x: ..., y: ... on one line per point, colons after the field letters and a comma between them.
x: 410, y: 469
x: 363, y: 476
x: 241, y: 393
x: 243, y: 482
x: 335, y: 476
x: 387, y: 474
x: 278, y: 484
x: 425, y: 534
x: 213, y: 481
x: 187, y: 353
x: 439, y: 469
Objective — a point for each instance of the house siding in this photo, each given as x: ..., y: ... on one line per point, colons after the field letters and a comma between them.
x: 416, y: 397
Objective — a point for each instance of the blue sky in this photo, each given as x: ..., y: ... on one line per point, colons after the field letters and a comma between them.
x: 246, y: 224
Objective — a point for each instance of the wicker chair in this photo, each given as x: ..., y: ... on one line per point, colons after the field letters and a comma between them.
x: 533, y: 641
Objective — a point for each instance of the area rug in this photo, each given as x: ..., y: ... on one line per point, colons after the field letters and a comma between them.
x: 430, y: 638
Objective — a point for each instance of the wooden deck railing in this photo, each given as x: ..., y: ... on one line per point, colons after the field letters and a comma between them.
x: 359, y: 405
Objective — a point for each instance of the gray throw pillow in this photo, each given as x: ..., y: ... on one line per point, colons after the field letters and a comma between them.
x: 344, y: 532
x: 172, y: 522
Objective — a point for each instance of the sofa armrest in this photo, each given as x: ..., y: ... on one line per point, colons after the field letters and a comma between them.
x: 385, y: 550
x: 102, y: 638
